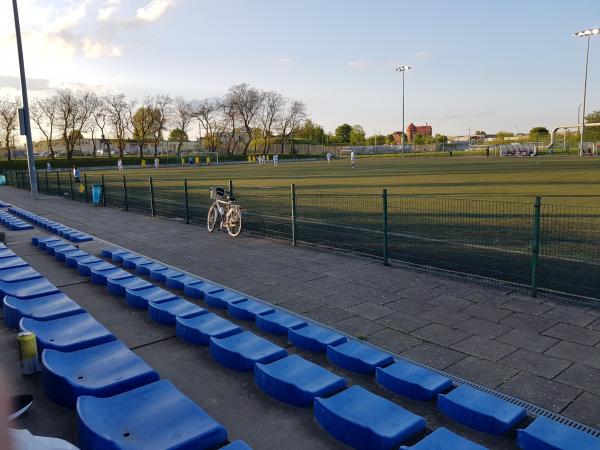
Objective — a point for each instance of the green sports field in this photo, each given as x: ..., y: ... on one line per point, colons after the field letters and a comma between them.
x: 559, y: 180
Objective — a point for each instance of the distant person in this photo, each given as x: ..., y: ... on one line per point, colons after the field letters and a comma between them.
x: 352, y: 159
x: 328, y: 157
x: 275, y: 160
x: 76, y: 173
x: 119, y: 164
x: 191, y: 161
x: 156, y: 163
x: 48, y: 167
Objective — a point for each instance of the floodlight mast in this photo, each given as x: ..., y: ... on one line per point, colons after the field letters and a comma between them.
x: 403, y: 69
x: 24, y: 116
x: 587, y: 34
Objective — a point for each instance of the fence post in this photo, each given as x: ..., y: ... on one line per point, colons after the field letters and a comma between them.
x: 103, y: 190
x: 231, y: 188
x: 152, y: 198
x: 125, y: 194
x: 535, y: 245
x: 71, y: 185
x: 385, y: 228
x: 58, y: 183
x: 293, y: 194
x: 37, y: 177
x: 87, y: 199
x: 187, y: 206
x: 47, y: 185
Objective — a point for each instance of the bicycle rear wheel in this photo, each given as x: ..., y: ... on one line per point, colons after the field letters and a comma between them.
x: 234, y: 222
x: 211, y: 220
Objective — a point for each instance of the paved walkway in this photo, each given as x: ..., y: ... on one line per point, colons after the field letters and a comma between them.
x: 542, y: 351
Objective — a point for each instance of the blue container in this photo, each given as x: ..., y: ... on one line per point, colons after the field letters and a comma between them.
x: 96, y: 194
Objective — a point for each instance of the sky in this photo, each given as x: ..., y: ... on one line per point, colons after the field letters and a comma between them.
x: 480, y: 64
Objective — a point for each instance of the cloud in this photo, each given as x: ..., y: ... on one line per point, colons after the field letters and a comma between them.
x: 68, y: 18
x: 358, y: 63
x: 154, y: 10
x: 34, y: 84
x: 97, y: 49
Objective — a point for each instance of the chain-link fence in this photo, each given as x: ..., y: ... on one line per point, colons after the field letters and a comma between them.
x: 537, y: 246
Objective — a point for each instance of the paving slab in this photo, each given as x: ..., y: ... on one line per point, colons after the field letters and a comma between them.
x: 574, y: 333
x: 544, y: 365
x: 484, y: 348
x: 440, y: 334
x: 434, y: 355
x: 528, y: 340
x: 489, y: 373
x: 570, y: 351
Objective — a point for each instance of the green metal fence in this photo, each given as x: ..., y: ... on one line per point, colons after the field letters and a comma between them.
x: 535, y: 245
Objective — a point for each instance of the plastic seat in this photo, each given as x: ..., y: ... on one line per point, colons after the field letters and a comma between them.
x: 546, y: 434
x: 480, y: 411
x: 363, y: 420
x: 28, y: 288
x: 19, y: 226
x: 61, y: 252
x: 237, y: 445
x: 12, y: 262
x: 278, y: 322
x: 200, y: 289
x: 99, y: 275
x: 154, y: 416
x: 48, y: 307
x: 410, y: 380
x: 241, y: 351
x: 145, y: 269
x: 117, y: 257
x: 80, y: 237
x: 179, y: 281
x: 110, y: 252
x: 161, y: 274
x: 121, y: 285
x: 166, y: 312
x: 72, y: 258
x: 85, y: 266
x: 358, y: 357
x: 442, y: 438
x: 52, y: 245
x: 296, y: 381
x: 199, y: 329
x: 314, y: 338
x: 22, y: 273
x: 131, y: 261
x: 67, y: 334
x: 139, y: 298
x: 64, y: 247
x: 6, y: 253
x: 42, y: 242
x: 247, y: 309
x: 221, y: 298
x: 102, y: 371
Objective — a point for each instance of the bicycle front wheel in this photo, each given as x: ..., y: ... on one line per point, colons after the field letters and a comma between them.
x: 234, y: 222
x: 211, y: 220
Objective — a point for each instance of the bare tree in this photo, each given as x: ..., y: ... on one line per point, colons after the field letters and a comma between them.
x: 209, y: 114
x: 101, y: 119
x: 246, y: 102
x: 270, y: 114
x: 43, y: 112
x: 120, y: 112
x: 74, y: 110
x: 9, y: 119
x: 293, y: 116
x: 162, y: 104
x: 183, y: 113
x: 145, y: 122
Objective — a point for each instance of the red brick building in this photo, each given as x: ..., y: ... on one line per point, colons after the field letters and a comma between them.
x: 411, y: 131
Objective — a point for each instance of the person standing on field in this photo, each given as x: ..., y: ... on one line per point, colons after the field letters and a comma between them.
x: 120, y: 164
x: 156, y: 163
x: 328, y: 157
x: 352, y: 158
x: 275, y: 160
x: 48, y: 167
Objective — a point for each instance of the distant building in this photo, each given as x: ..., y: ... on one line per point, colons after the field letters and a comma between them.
x: 412, y: 131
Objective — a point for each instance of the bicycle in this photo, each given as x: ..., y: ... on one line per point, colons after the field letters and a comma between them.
x: 225, y: 211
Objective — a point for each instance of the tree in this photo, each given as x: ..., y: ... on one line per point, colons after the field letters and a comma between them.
x: 183, y: 113
x: 441, y: 138
x: 210, y: 114
x: 119, y: 115
x: 537, y: 133
x: 74, y: 110
x: 270, y: 113
x: 162, y: 104
x: 293, y: 116
x: 9, y: 119
x: 43, y: 112
x: 101, y: 120
x: 357, y: 135
x: 592, y: 133
x: 246, y: 102
x: 342, y: 133
x: 389, y: 139
x: 179, y: 136
x: 311, y: 131
x: 145, y: 123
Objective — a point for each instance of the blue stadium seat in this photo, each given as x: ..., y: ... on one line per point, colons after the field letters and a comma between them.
x: 22, y: 273
x: 167, y: 312
x: 358, y: 357
x: 67, y: 334
x: 162, y: 274
x: 132, y: 260
x: 52, y: 245
x: 363, y: 420
x: 145, y: 269
x: 48, y: 307
x: 42, y: 242
x: 118, y: 257
x: 278, y: 322
x: 199, y: 329
x: 28, y: 288
x: 121, y: 285
x: 296, y: 381
x: 237, y: 445
x: 219, y: 297
x: 110, y: 252
x: 64, y: 247
x: 200, y: 289
x: 179, y: 282
x: 412, y: 381
x: 85, y: 266
x: 12, y: 262
x: 71, y: 258
x: 139, y: 298
x: 6, y: 253
x: 101, y: 371
x: 241, y: 351
x: 480, y: 411
x: 314, y: 338
x: 247, y: 309
x: 546, y: 434
x: 100, y: 275
x: 61, y: 252
x: 154, y: 416
x: 79, y: 237
x: 442, y: 438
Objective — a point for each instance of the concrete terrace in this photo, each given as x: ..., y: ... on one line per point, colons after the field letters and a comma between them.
x: 542, y: 351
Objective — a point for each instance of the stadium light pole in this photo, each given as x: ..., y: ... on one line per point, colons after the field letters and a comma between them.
x: 403, y: 69
x: 587, y: 34
x: 24, y: 116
